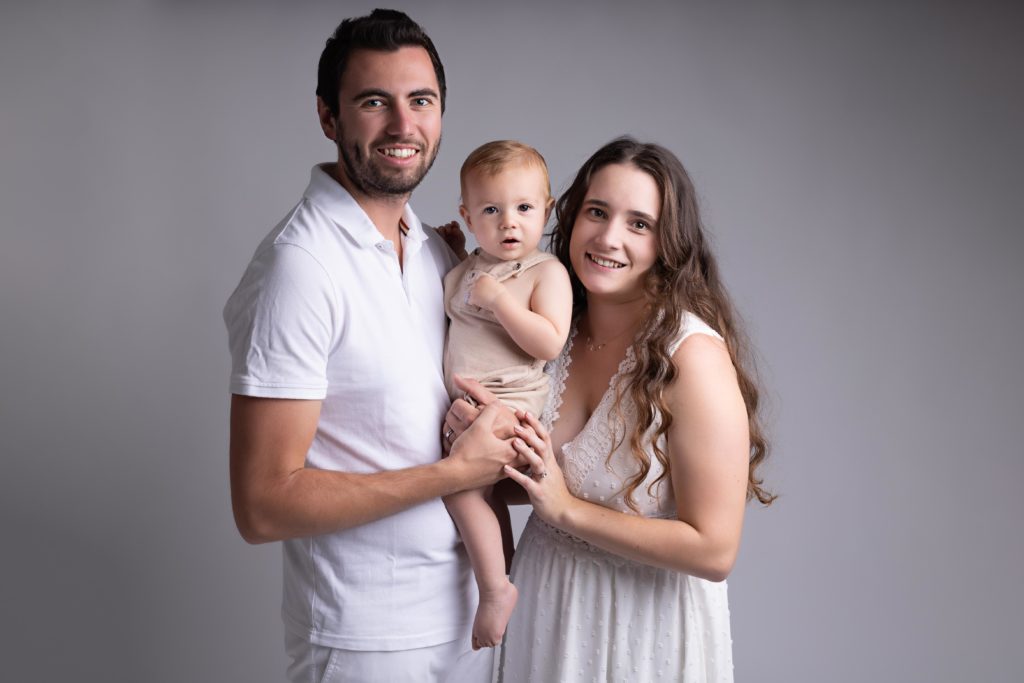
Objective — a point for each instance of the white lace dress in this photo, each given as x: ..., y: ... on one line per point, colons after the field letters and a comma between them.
x: 587, y: 615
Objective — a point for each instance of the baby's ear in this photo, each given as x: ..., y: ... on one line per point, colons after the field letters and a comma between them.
x: 464, y: 212
x: 547, y: 209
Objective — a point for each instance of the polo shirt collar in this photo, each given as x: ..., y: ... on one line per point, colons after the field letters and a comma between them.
x: 344, y: 210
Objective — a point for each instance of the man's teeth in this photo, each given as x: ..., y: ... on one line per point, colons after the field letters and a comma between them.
x: 606, y: 262
x: 398, y: 152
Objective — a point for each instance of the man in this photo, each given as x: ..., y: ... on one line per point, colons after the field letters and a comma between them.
x: 336, y: 334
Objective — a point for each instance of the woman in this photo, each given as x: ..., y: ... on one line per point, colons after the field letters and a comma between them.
x: 646, y: 454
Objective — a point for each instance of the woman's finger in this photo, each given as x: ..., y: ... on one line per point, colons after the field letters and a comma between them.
x: 531, y: 438
x: 535, y: 461
x: 526, y: 482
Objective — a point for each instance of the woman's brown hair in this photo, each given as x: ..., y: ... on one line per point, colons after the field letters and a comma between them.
x: 684, y: 278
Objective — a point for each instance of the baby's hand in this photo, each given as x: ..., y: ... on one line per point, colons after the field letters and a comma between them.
x: 485, y: 290
x: 451, y: 233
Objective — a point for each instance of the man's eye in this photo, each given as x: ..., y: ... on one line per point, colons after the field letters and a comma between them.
x: 422, y: 102
x: 374, y: 103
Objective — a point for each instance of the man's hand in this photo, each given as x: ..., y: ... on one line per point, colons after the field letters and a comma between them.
x: 480, y: 454
x: 464, y: 413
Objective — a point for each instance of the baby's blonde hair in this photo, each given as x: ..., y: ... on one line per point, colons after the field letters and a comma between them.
x: 493, y: 157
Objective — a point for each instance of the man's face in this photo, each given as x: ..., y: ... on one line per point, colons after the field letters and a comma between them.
x: 388, y: 127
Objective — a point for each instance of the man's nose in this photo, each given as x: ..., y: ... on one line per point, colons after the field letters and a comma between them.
x: 401, y: 123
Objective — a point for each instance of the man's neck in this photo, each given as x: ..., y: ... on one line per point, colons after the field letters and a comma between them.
x: 385, y: 212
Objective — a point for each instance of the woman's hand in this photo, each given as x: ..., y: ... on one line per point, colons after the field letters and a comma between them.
x: 543, y: 482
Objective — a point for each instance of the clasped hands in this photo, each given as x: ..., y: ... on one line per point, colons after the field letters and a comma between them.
x: 516, y: 437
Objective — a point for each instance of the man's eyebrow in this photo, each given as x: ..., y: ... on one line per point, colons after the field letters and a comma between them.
x: 424, y: 92
x: 371, y: 92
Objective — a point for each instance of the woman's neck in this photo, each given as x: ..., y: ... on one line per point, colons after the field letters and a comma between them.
x: 607, y: 319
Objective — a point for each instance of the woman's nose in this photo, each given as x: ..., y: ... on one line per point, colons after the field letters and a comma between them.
x: 609, y: 235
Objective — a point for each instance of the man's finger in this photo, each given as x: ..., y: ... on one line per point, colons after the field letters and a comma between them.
x: 463, y: 413
x: 475, y: 390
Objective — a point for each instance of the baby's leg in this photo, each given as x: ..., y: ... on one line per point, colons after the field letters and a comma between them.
x: 481, y: 533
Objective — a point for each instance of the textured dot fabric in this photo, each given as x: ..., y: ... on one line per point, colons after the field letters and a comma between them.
x: 588, y: 615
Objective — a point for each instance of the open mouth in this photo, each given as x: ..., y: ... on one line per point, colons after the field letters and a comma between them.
x: 605, y: 262
x: 398, y: 152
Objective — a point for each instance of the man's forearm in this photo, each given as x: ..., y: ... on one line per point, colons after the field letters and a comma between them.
x: 309, y: 501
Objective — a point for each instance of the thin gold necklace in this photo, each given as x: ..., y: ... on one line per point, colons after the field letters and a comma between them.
x: 592, y: 346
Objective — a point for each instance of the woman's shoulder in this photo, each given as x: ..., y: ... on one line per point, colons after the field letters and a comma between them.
x: 691, y: 324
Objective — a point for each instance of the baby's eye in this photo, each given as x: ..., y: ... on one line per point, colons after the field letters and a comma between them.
x: 524, y: 207
x: 490, y: 209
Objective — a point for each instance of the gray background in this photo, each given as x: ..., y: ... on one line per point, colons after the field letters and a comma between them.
x: 860, y: 166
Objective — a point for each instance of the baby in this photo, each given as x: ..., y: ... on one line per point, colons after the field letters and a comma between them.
x: 510, y: 306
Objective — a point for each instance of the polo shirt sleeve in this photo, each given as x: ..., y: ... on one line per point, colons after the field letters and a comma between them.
x: 281, y: 324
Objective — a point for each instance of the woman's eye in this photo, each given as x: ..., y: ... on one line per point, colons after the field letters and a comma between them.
x: 641, y: 225
x: 596, y: 213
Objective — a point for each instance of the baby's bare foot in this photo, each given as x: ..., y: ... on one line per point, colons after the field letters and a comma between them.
x: 492, y: 615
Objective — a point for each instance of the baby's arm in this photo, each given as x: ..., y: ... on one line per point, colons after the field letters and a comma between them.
x: 541, y: 329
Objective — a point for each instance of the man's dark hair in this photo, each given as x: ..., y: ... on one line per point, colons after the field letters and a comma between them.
x: 383, y: 29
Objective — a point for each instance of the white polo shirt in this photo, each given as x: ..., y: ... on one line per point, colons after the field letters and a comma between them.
x: 325, y: 312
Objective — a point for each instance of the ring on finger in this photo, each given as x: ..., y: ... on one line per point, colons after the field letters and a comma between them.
x: 448, y: 433
x: 539, y: 475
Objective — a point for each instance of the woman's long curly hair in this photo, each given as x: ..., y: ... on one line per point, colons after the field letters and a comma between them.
x: 684, y: 278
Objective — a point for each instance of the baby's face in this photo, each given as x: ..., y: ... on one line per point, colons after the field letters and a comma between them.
x: 507, y: 212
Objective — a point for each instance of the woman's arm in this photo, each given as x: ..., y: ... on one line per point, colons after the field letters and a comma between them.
x: 541, y: 328
x: 708, y: 446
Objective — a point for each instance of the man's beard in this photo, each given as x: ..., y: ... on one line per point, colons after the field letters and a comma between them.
x: 369, y: 179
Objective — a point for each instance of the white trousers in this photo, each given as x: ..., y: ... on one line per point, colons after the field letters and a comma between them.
x: 453, y: 662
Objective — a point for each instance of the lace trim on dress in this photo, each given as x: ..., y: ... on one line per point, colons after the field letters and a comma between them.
x: 559, y: 371
x: 600, y: 434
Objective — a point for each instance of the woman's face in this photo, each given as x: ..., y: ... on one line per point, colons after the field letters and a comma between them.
x: 614, y: 240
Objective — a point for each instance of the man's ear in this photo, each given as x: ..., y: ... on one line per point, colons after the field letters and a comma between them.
x: 328, y: 121
x: 464, y: 212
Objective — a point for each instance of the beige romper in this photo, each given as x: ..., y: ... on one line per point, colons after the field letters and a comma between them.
x: 480, y: 348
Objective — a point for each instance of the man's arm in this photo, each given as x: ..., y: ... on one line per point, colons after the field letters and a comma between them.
x: 275, y: 497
